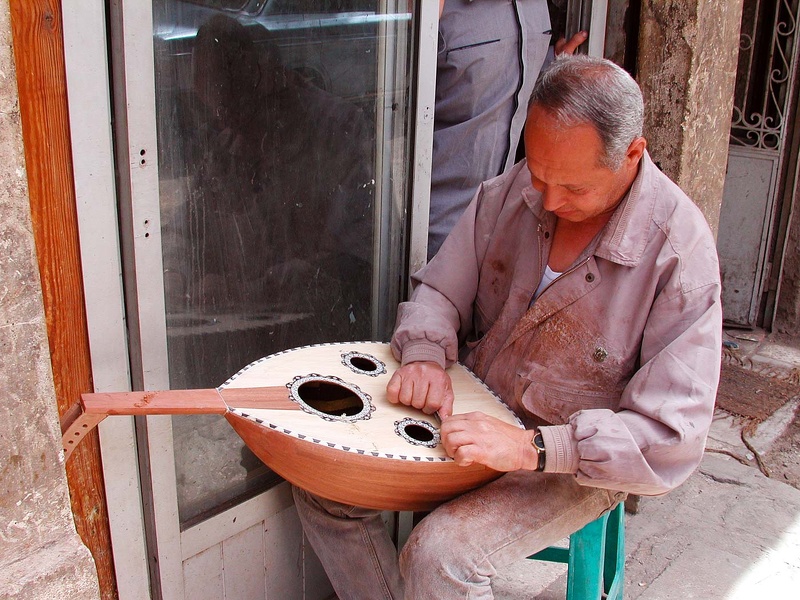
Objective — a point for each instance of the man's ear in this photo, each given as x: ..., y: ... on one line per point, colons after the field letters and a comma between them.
x: 636, y: 150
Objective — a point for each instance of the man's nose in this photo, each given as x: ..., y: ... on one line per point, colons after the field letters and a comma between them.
x: 552, y: 200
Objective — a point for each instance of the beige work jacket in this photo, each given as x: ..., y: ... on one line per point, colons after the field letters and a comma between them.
x: 620, y: 354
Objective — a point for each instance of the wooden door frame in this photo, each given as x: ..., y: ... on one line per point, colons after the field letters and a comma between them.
x: 39, y: 56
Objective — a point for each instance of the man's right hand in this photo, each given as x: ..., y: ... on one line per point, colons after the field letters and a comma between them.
x: 423, y: 385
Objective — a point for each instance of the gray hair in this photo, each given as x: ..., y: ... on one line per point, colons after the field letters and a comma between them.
x: 582, y: 89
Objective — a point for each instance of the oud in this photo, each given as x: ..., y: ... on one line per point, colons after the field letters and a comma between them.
x: 318, y: 416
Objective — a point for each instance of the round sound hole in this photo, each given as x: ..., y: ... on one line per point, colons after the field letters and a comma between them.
x: 417, y: 432
x: 330, y: 398
x: 363, y: 364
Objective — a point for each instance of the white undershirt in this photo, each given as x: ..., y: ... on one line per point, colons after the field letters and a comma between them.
x: 547, y: 279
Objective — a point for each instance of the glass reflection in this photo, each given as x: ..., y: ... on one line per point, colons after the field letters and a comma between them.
x: 268, y: 126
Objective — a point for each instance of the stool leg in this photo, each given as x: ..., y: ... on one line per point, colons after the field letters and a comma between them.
x: 614, y: 570
x: 586, y: 559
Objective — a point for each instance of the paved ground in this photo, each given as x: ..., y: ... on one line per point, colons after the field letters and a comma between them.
x: 729, y: 532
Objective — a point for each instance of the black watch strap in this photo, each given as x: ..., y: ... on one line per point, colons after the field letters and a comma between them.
x: 538, y: 444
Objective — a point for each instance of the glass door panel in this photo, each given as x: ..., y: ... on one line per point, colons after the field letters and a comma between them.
x: 282, y: 154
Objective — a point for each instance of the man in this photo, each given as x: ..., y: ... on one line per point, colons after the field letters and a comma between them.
x: 489, y: 56
x: 583, y: 288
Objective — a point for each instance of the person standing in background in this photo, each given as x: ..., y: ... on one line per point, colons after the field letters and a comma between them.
x: 489, y: 56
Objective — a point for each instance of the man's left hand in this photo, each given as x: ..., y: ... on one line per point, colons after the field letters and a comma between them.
x: 479, y: 438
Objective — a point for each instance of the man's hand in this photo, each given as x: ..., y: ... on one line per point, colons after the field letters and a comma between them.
x: 479, y: 438
x: 423, y: 385
x: 568, y: 47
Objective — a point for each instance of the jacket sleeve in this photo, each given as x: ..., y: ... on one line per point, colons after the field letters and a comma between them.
x: 439, y: 312
x: 657, y: 438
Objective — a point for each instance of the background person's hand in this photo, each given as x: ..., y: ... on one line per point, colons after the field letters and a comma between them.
x: 568, y: 47
x: 423, y: 385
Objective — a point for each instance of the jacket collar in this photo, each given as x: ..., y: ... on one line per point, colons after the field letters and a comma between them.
x: 625, y: 236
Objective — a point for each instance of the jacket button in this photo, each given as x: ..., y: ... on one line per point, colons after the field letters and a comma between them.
x: 590, y: 277
x: 600, y: 354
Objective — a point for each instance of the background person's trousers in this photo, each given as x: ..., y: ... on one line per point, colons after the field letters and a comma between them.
x: 455, y: 550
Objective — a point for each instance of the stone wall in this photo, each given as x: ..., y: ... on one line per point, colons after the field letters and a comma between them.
x: 687, y: 69
x: 41, y: 555
x: 621, y: 27
x: 787, y: 313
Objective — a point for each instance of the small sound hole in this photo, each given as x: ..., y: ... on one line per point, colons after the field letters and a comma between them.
x: 330, y: 398
x: 419, y: 433
x: 364, y: 364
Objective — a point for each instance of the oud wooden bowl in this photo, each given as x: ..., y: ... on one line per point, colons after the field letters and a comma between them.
x: 372, y: 453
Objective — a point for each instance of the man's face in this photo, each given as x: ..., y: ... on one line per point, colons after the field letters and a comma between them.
x: 565, y: 167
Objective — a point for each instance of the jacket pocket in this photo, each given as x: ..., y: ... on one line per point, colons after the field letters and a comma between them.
x: 473, y: 75
x: 449, y: 51
x: 556, y: 403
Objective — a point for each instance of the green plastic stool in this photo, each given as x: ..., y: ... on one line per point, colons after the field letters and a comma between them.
x: 595, y: 558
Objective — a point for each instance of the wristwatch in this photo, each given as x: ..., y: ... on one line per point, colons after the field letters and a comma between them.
x: 538, y: 445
